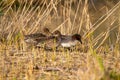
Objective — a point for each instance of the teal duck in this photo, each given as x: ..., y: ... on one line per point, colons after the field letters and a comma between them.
x: 67, y: 40
x: 32, y: 38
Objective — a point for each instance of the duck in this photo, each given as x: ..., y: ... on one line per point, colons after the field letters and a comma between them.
x: 33, y: 38
x: 67, y: 41
x: 48, y: 43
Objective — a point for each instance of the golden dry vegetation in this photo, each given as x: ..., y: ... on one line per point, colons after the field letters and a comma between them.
x: 98, y: 21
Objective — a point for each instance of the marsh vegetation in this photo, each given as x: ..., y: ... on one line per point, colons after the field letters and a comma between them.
x: 98, y: 21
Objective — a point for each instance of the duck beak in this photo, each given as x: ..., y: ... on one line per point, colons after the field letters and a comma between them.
x: 80, y: 41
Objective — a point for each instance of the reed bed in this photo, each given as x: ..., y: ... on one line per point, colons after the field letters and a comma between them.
x: 98, y: 58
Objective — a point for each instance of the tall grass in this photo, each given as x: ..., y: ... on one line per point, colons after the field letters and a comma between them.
x: 98, y: 57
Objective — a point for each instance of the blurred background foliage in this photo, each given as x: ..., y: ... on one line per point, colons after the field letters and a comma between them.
x: 81, y: 15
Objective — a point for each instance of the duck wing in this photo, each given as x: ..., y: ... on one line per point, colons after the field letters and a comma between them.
x: 49, y: 42
x: 31, y: 39
x: 37, y: 35
x: 66, y: 38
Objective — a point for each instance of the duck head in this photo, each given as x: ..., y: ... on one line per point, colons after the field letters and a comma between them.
x: 77, y: 37
x: 56, y: 33
x: 46, y: 31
